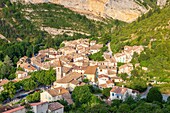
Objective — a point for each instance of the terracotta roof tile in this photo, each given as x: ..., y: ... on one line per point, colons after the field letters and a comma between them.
x: 14, y: 110
x: 68, y: 78
x: 118, y: 90
x: 55, y: 106
x: 102, y: 75
x: 57, y: 91
x: 4, y: 81
x: 91, y: 70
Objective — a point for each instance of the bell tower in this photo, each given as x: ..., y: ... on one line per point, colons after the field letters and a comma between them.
x: 59, y: 70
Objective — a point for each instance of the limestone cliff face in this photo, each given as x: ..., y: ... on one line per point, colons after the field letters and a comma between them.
x: 125, y: 10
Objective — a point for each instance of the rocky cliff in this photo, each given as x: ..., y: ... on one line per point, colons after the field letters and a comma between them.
x: 125, y: 10
x: 161, y: 3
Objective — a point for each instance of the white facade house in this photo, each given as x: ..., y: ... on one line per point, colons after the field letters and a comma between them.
x: 126, y: 68
x: 40, y: 107
x: 21, y: 74
x: 122, y: 93
x: 118, y: 93
x: 120, y: 57
x: 102, y: 79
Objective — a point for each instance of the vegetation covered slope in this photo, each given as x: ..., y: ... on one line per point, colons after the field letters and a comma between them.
x: 152, y: 30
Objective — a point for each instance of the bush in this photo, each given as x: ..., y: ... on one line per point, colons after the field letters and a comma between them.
x: 154, y: 95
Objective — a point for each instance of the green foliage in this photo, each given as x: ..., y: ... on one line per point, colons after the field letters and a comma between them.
x: 138, y: 84
x: 94, y: 90
x: 116, y: 102
x: 10, y: 89
x: 86, y: 80
x: 44, y: 77
x: 123, y: 76
x: 61, y: 45
x: 7, y: 69
x: 168, y: 100
x: 129, y: 100
x: 67, y: 107
x: 124, y: 108
x: 106, y: 92
x: 29, y: 84
x: 97, y: 56
x: 154, y: 95
x: 35, y: 97
x: 3, y: 96
x: 99, y: 108
x: 81, y: 95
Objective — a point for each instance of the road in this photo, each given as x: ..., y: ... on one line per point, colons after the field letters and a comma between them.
x: 144, y: 94
x: 110, y: 51
x: 21, y: 95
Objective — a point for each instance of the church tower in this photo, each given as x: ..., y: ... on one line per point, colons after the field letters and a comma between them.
x: 59, y: 70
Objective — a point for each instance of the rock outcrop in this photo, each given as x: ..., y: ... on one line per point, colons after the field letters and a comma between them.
x: 161, y: 3
x: 125, y: 10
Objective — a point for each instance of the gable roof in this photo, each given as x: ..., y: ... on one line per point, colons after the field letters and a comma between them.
x: 4, y: 81
x: 91, y: 70
x: 14, y: 110
x: 55, y: 106
x: 119, y: 90
x: 57, y: 91
x: 68, y: 78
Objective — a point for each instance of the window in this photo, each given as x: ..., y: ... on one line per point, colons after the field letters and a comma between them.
x: 112, y: 94
x: 117, y: 96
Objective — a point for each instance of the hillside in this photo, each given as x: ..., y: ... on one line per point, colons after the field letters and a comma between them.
x: 152, y: 30
x: 26, y: 26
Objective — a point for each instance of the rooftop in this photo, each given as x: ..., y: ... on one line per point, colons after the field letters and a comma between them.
x: 118, y: 90
x: 57, y: 91
x: 4, y: 81
x: 91, y: 70
x: 55, y: 106
x: 68, y: 78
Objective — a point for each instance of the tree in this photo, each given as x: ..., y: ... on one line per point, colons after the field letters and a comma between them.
x: 168, y: 100
x: 67, y: 107
x: 3, y: 96
x: 106, y: 92
x: 98, y: 108
x: 123, y: 76
x: 154, y: 95
x: 7, y: 67
x: 10, y: 89
x: 30, y: 85
x: 138, y: 84
x: 35, y: 97
x: 116, y: 102
x: 129, y: 100
x: 8, y: 61
x: 81, y: 95
x: 124, y: 108
x: 44, y: 77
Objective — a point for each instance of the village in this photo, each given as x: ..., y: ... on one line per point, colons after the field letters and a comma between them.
x: 74, y: 68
